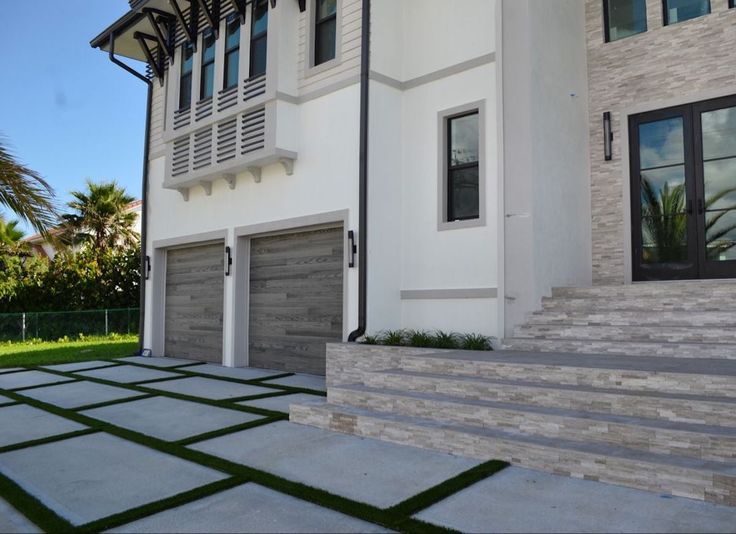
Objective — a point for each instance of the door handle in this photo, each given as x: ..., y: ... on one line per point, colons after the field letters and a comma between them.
x: 701, y: 206
x: 690, y: 206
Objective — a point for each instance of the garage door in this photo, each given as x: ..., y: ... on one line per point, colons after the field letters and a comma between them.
x: 194, y: 302
x: 295, y: 299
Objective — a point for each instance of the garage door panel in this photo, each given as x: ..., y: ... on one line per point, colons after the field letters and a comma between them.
x: 296, y: 286
x: 194, y: 302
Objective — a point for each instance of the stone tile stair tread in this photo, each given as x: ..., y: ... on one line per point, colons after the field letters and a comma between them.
x: 692, y: 335
x: 728, y: 469
x: 551, y: 411
x: 621, y: 318
x: 700, y: 366
x: 568, y: 387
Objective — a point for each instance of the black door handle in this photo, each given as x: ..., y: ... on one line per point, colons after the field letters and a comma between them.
x: 690, y: 206
x: 701, y: 206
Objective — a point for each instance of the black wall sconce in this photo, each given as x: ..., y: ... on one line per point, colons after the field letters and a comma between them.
x: 607, y: 137
x: 352, y: 248
x: 228, y: 261
x: 148, y: 267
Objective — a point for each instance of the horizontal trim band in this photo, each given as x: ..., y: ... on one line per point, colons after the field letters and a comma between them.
x: 441, y: 294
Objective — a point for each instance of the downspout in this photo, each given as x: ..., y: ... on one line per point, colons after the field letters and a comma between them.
x: 144, y: 192
x: 365, y: 59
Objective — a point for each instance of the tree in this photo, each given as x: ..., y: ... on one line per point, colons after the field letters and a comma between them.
x: 25, y: 193
x: 101, y: 219
x: 10, y: 234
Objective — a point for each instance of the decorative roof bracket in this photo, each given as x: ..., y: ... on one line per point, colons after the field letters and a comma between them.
x: 189, y: 30
x: 156, y: 67
x: 302, y: 5
x: 212, y: 16
x: 165, y: 42
x: 240, y: 6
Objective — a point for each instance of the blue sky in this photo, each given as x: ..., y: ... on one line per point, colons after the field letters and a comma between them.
x: 65, y: 109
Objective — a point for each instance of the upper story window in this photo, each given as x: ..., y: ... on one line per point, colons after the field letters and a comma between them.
x: 207, y: 78
x: 624, y: 18
x: 681, y: 10
x: 258, y: 38
x: 325, y: 31
x: 463, y: 166
x: 185, y: 82
x: 232, y: 51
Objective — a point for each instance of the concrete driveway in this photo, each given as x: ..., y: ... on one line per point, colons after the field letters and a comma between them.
x: 165, y: 445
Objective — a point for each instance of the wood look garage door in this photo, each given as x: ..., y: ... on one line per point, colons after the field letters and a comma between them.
x: 194, y: 302
x: 295, y: 299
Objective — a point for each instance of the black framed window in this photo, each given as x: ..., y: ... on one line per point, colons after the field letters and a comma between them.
x: 258, y: 38
x: 185, y: 81
x: 207, y: 78
x: 624, y: 18
x: 232, y: 51
x: 682, y: 10
x: 325, y: 31
x: 463, y: 166
x: 731, y: 3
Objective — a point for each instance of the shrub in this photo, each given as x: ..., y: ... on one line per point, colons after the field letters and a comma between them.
x: 435, y: 340
x: 419, y: 338
x: 394, y: 338
x: 476, y: 342
x: 444, y: 340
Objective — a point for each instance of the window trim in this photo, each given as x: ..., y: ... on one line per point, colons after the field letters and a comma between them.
x: 607, y: 23
x: 203, y: 65
x: 227, y: 51
x: 666, y: 18
x: 443, y: 118
x: 252, y: 38
x: 310, y: 69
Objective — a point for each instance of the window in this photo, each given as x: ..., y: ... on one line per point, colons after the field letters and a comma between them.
x: 185, y: 81
x: 207, y: 77
x: 325, y: 31
x: 681, y: 10
x: 624, y: 18
x: 258, y: 38
x: 462, y: 135
x: 731, y: 3
x: 232, y: 51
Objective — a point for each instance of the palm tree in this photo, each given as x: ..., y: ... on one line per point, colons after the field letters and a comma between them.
x: 101, y: 218
x: 10, y: 234
x: 25, y: 193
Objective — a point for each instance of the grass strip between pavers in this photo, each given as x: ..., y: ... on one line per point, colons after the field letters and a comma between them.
x: 397, y: 517
x: 112, y: 402
x: 47, y: 439
x: 39, y: 386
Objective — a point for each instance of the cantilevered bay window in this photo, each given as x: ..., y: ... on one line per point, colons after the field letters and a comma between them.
x: 207, y: 72
x: 258, y: 38
x: 185, y: 81
x: 232, y: 51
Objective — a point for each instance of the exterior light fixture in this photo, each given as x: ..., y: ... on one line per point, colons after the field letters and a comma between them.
x: 352, y: 248
x: 228, y: 261
x: 607, y: 137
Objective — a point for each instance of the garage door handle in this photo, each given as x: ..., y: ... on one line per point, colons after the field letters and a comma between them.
x: 228, y: 261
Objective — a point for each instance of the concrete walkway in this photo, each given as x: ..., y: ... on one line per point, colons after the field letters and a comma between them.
x: 164, y: 445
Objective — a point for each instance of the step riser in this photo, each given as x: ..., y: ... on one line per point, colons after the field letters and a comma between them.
x: 724, y: 305
x: 696, y: 291
x: 642, y: 475
x: 723, y: 386
x: 655, y: 334
x: 628, y: 318
x: 676, y: 410
x: 656, y: 440
x: 623, y: 348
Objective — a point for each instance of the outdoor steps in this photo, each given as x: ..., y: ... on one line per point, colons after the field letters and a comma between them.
x: 598, y: 317
x: 624, y: 348
x: 660, y: 424
x: 657, y: 334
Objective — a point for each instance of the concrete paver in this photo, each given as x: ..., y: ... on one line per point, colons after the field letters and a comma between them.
x: 29, y: 378
x: 209, y: 388
x: 301, y: 381
x: 82, y: 393
x: 281, y: 403
x: 241, y: 373
x: 22, y: 423
x: 12, y: 521
x: 127, y: 374
x: 157, y: 362
x: 250, y: 508
x: 79, y: 366
x: 10, y: 370
x: 366, y: 470
x: 97, y: 475
x: 169, y: 419
x: 522, y: 500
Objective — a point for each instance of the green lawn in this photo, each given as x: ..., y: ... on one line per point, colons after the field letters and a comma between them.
x: 49, y: 352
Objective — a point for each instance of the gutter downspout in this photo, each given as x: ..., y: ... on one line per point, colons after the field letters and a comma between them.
x: 144, y: 191
x: 365, y: 55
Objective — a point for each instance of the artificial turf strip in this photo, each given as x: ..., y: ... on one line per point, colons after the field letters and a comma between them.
x: 229, y: 430
x: 34, y: 510
x: 39, y: 386
x: 441, y: 491
x: 47, y: 439
x: 110, y: 403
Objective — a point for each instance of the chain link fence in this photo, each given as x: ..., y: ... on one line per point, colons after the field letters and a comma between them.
x: 50, y: 326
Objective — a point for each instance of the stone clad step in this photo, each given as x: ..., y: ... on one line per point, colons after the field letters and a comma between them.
x: 667, y: 375
x: 706, y: 442
x: 687, y: 477
x: 699, y: 289
x: 726, y: 351
x: 657, y: 333
x: 674, y: 302
x: 595, y: 317
x: 684, y: 408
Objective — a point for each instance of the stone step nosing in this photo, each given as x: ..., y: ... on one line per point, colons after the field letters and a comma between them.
x: 698, y: 441
x: 661, y: 473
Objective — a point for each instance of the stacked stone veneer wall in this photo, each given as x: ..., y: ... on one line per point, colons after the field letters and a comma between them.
x: 666, y: 65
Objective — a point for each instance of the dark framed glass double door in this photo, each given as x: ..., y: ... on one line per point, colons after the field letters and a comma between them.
x: 683, y: 191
